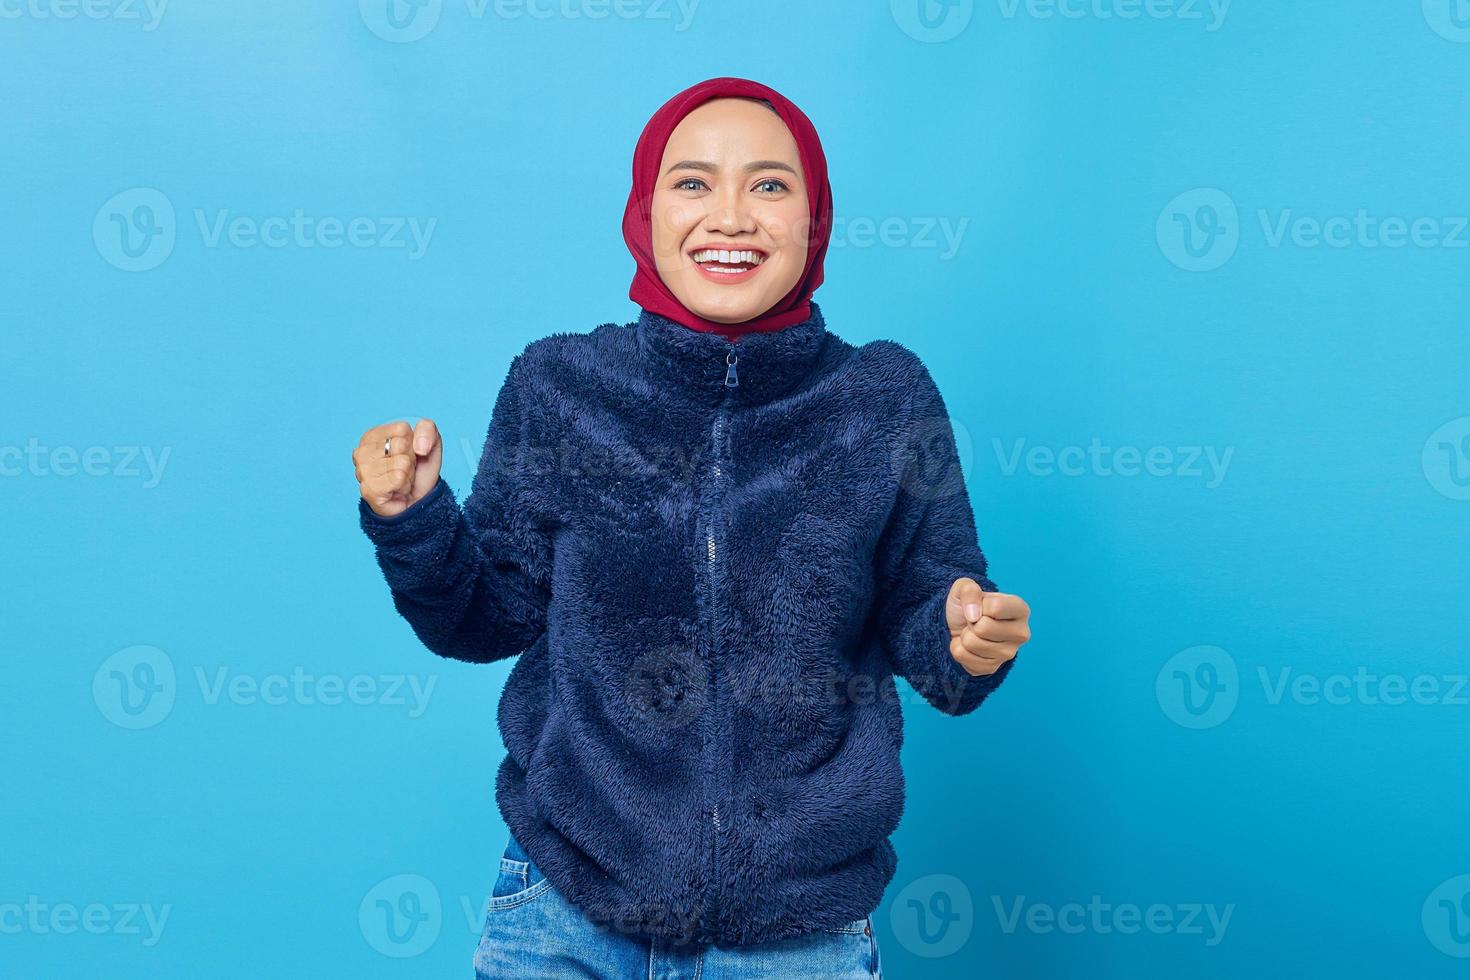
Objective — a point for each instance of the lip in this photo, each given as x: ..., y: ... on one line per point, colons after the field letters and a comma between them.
x: 728, y: 278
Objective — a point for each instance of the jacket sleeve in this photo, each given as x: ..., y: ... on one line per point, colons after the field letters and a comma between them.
x: 928, y: 542
x: 474, y: 583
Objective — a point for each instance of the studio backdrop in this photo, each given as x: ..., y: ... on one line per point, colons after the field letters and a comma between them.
x: 1191, y: 276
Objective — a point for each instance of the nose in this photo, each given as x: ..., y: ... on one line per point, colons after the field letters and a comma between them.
x: 728, y: 214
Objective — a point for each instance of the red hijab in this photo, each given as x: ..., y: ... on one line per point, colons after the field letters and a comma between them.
x: 648, y: 289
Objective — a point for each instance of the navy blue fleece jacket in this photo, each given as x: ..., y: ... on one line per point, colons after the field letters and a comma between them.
x: 711, y: 558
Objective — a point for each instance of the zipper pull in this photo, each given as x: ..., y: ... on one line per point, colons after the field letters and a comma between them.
x: 732, y: 379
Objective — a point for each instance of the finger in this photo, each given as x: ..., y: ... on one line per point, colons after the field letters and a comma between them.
x: 366, y: 452
x: 980, y: 646
x: 965, y: 596
x: 425, y: 437
x: 400, y: 463
x: 384, y: 500
x: 978, y: 665
x: 391, y: 482
x: 1002, y: 605
x: 983, y: 662
x: 376, y: 435
x: 373, y: 472
x: 367, y: 463
x: 994, y: 659
x: 394, y: 435
x: 1000, y: 630
x: 429, y: 464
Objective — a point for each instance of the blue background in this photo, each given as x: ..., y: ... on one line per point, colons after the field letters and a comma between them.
x: 1067, y: 313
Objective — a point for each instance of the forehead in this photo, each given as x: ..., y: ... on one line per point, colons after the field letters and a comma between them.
x: 732, y: 126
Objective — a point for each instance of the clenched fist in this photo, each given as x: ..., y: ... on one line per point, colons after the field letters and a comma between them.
x: 985, y: 628
x: 397, y: 464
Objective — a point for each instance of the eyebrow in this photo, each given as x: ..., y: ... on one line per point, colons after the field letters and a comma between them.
x: 748, y: 168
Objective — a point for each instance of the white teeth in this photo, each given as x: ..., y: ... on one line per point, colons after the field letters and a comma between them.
x: 725, y: 255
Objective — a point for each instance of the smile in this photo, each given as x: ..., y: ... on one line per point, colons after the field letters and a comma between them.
x: 728, y: 265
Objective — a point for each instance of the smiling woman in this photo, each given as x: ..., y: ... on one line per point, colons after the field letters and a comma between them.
x: 730, y: 212
x: 702, y: 730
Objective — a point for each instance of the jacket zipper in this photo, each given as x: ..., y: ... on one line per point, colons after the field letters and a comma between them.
x: 732, y: 380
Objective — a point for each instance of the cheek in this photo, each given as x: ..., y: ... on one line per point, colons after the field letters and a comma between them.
x: 790, y: 231
x: 672, y: 221
x: 790, y: 228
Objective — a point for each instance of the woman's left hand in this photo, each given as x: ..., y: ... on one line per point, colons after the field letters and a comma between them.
x: 985, y: 628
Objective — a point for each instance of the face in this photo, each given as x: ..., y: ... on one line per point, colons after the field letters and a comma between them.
x: 730, y: 181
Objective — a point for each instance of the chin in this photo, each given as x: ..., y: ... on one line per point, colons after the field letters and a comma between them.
x: 728, y: 312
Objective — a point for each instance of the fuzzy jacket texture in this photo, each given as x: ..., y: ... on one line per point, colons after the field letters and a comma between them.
x: 711, y: 558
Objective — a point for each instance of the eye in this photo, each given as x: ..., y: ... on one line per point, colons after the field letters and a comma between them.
x: 777, y: 185
x: 682, y: 182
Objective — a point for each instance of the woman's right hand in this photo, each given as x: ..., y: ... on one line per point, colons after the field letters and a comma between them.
x: 394, y: 480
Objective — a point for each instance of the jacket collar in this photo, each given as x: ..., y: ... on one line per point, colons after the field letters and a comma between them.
x: 693, y: 364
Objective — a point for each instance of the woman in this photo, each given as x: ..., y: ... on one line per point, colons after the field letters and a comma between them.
x: 713, y: 536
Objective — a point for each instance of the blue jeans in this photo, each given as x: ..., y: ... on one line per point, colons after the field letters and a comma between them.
x: 532, y: 931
